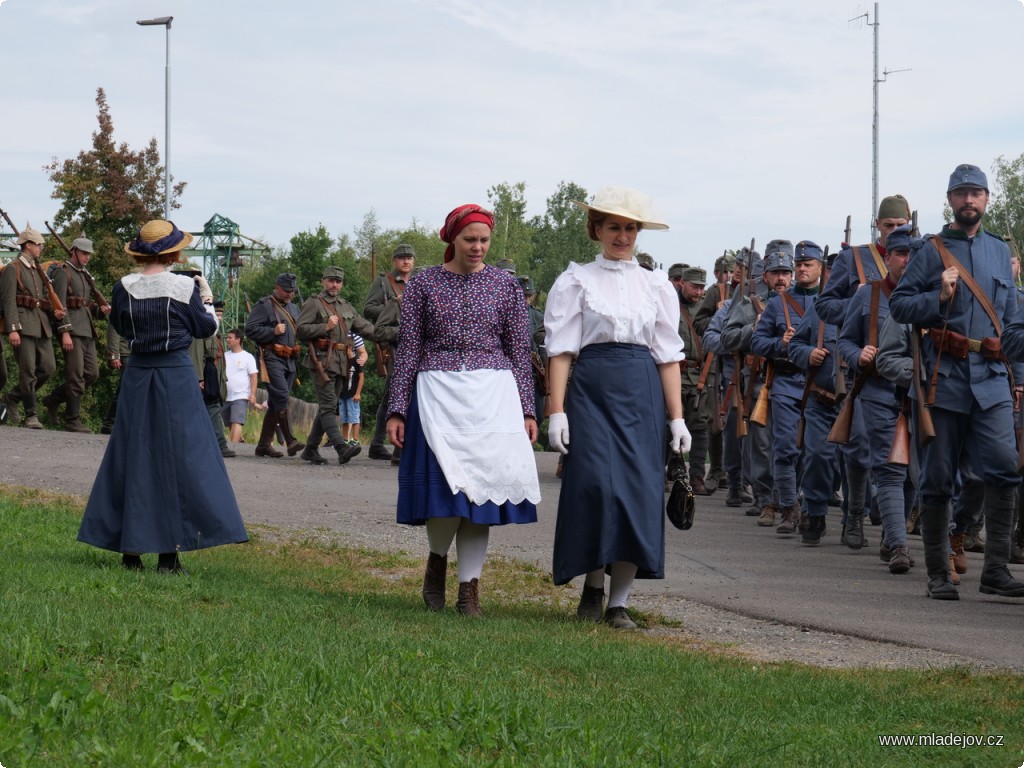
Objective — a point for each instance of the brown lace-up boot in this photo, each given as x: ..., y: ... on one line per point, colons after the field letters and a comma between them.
x: 469, y: 598
x: 434, y: 581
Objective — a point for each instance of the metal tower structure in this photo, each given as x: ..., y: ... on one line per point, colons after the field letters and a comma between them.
x: 224, y: 252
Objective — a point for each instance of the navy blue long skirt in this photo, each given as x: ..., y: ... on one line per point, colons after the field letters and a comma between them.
x: 423, y: 491
x: 612, y: 502
x: 161, y: 486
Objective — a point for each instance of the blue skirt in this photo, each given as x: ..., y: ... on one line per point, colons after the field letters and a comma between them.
x: 612, y: 503
x: 423, y: 491
x: 161, y: 486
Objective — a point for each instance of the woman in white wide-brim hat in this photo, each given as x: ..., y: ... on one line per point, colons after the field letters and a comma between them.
x: 619, y: 323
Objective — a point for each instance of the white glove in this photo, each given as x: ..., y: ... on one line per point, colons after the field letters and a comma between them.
x: 558, y: 432
x: 680, y: 436
x: 205, y: 293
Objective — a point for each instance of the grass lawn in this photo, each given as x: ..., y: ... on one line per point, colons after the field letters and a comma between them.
x: 295, y: 653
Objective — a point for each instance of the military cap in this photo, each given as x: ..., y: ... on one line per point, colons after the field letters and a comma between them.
x: 757, y: 271
x: 967, y: 176
x: 676, y: 271
x: 778, y: 261
x: 695, y: 275
x: 288, y: 281
x: 187, y: 271
x: 29, y: 235
x: 778, y: 245
x: 745, y: 256
x: 83, y: 244
x: 807, y: 250
x: 725, y: 263
x: 899, y: 238
x: 526, y: 284
x: 218, y: 304
x: 646, y: 261
x: 507, y: 264
x: 894, y: 207
x: 403, y: 250
x: 336, y: 273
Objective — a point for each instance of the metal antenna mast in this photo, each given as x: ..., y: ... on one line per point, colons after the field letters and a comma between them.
x: 875, y: 80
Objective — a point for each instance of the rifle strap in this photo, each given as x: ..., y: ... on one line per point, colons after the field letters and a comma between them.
x: 949, y: 260
x: 398, y: 288
x: 876, y: 294
x: 787, y: 299
x: 287, y: 315
x: 705, y: 369
x: 698, y: 348
x: 883, y: 271
x: 24, y: 291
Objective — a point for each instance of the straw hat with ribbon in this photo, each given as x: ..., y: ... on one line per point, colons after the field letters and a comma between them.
x: 158, y: 237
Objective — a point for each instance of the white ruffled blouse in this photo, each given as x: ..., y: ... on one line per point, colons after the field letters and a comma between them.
x: 609, y: 301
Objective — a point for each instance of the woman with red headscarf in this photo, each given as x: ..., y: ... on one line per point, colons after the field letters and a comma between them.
x: 462, y: 407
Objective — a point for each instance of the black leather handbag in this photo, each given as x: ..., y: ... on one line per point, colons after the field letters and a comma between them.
x: 681, y: 505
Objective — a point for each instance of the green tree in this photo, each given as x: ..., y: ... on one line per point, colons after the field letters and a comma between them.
x: 512, y: 237
x: 1005, y: 213
x: 309, y: 256
x: 560, y: 236
x: 108, y: 192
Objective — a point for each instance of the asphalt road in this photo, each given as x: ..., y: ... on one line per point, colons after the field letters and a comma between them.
x: 724, y: 561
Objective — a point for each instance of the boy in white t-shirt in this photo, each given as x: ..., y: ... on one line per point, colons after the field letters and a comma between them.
x: 241, y: 374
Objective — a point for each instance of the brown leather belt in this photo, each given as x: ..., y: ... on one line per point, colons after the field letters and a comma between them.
x: 328, y: 344
x: 284, y: 351
x: 957, y: 345
x: 77, y: 302
x: 31, y: 302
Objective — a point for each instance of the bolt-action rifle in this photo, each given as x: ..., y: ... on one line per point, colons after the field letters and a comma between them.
x: 55, y: 303
x: 92, y: 283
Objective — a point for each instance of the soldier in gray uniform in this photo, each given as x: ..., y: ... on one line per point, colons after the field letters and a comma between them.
x: 27, y: 315
x: 689, y: 284
x: 325, y: 322
x: 118, y: 353
x: 77, y: 292
x: 959, y: 285
x: 538, y: 351
x: 383, y: 308
x: 272, y: 324
x: 718, y: 292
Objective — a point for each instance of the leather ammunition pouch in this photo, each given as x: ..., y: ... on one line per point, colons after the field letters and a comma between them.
x: 284, y: 351
x: 959, y: 346
x: 823, y: 396
x: 30, y: 302
x: 785, y: 368
x: 328, y: 344
x: 77, y: 302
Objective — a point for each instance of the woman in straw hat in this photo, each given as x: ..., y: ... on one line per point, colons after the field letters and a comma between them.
x: 620, y: 324
x: 162, y: 486
x: 462, y: 407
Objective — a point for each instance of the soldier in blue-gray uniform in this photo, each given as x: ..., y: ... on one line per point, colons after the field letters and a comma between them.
x: 735, y: 338
x: 856, y: 265
x: 271, y: 324
x: 880, y: 404
x: 795, y: 281
x: 959, y: 285
x: 813, y: 349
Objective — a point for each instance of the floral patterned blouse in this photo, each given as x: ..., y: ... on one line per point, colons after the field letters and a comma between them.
x: 453, y: 322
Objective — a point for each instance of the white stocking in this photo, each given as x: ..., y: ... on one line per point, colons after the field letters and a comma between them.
x: 440, y: 532
x: 471, y: 549
x: 623, y: 574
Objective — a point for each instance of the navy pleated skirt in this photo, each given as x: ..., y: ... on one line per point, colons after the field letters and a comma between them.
x: 161, y: 486
x: 612, y: 502
x: 423, y: 491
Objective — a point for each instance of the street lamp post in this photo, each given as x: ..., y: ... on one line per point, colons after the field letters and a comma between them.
x: 165, y: 21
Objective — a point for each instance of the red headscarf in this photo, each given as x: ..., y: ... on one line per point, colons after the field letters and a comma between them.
x: 458, y: 220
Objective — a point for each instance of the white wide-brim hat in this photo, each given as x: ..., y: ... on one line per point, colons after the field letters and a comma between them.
x: 625, y: 202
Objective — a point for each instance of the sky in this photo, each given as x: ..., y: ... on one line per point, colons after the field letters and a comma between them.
x: 740, y: 119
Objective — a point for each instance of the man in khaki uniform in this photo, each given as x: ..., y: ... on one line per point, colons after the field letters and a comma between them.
x: 77, y: 292
x: 383, y: 308
x: 689, y: 283
x: 324, y: 324
x: 27, y: 314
